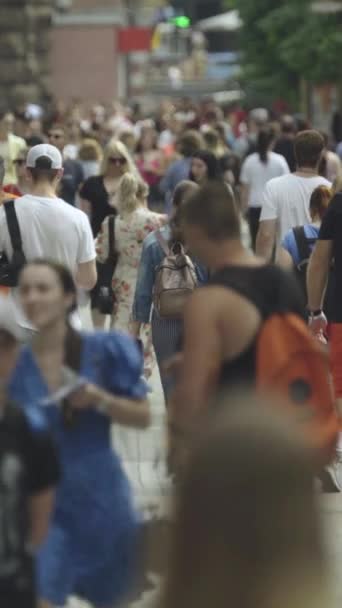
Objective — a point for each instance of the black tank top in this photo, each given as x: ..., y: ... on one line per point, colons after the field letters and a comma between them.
x: 271, y: 290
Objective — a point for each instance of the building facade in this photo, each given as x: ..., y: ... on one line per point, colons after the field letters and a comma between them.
x: 25, y: 28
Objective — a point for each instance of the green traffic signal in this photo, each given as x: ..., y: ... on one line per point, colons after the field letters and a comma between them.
x: 181, y: 21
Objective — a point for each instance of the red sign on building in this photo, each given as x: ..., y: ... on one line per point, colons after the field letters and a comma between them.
x: 133, y: 39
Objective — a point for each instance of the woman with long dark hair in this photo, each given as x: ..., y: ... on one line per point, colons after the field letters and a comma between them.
x: 204, y: 167
x: 256, y: 171
x: 82, y: 383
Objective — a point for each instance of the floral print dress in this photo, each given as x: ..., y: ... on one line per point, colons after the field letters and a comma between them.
x: 130, y: 232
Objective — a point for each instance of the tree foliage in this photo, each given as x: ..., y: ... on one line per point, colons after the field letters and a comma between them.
x: 284, y: 42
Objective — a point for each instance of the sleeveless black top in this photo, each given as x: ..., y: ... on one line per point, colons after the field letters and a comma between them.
x: 271, y: 290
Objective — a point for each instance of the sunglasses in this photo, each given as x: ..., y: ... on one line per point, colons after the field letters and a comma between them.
x: 19, y: 161
x: 117, y: 160
x: 55, y: 135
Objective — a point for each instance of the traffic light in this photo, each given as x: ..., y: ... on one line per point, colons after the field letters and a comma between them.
x: 181, y: 21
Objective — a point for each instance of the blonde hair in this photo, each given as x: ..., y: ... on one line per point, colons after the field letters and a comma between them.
x: 117, y: 148
x: 143, y: 190
x: 127, y: 195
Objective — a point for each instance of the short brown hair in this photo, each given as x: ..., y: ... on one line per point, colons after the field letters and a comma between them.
x: 190, y: 142
x: 308, y: 146
x: 42, y: 175
x: 213, y: 208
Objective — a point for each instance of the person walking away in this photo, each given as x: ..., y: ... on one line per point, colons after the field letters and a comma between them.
x: 92, y: 546
x: 132, y: 224
x: 98, y: 199
x: 330, y: 165
x: 285, y: 142
x: 249, y: 450
x: 188, y: 144
x: 49, y: 226
x: 10, y: 145
x: 328, y: 248
x: 29, y: 472
x: 256, y: 171
x: 166, y: 333
x: 285, y: 202
x: 72, y: 169
x: 299, y: 242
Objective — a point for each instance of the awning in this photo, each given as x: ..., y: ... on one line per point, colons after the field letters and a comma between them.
x: 226, y: 22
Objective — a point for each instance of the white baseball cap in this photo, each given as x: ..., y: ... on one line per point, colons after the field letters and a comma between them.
x: 39, y: 157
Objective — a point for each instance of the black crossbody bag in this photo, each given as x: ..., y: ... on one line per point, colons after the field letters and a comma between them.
x: 106, y: 297
x: 10, y: 269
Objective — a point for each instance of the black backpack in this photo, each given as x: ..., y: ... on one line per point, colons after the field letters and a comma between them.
x: 304, y: 246
x: 10, y: 270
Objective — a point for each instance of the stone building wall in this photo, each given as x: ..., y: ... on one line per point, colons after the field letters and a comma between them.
x: 25, y: 27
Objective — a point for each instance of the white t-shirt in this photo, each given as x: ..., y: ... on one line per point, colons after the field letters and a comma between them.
x: 50, y: 228
x: 256, y: 174
x: 287, y: 200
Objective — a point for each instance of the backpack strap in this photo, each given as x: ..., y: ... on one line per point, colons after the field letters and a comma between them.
x: 13, y: 226
x: 162, y: 242
x: 303, y: 243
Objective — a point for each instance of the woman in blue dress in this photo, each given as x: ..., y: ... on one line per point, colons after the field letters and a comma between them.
x: 92, y: 543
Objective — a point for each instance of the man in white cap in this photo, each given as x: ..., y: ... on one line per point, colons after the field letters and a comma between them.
x: 49, y: 227
x: 29, y: 472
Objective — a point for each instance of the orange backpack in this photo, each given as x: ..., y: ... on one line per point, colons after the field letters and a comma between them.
x: 291, y: 363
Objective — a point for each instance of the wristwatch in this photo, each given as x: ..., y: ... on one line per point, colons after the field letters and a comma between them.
x: 315, y: 313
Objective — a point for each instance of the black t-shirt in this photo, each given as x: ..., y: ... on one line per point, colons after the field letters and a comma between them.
x: 28, y: 466
x: 331, y: 230
x: 72, y: 179
x: 285, y: 147
x: 94, y: 191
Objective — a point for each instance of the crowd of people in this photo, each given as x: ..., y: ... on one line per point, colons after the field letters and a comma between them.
x: 210, y: 238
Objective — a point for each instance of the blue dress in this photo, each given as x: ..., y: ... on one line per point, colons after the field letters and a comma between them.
x: 91, y: 546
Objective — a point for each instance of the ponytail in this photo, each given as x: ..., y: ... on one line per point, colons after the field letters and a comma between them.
x: 265, y: 138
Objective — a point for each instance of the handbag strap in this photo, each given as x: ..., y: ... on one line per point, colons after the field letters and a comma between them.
x: 111, y: 237
x: 13, y: 226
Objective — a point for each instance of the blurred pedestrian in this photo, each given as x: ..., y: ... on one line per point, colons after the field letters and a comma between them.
x: 285, y: 201
x: 247, y: 527
x: 188, y: 144
x: 90, y: 156
x: 22, y: 185
x: 285, y: 142
x: 91, y: 547
x: 29, y: 472
x: 205, y: 167
x: 166, y: 333
x: 10, y: 145
x: 72, y: 169
x: 150, y: 162
x: 98, y: 197
x: 256, y: 171
x: 133, y: 223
